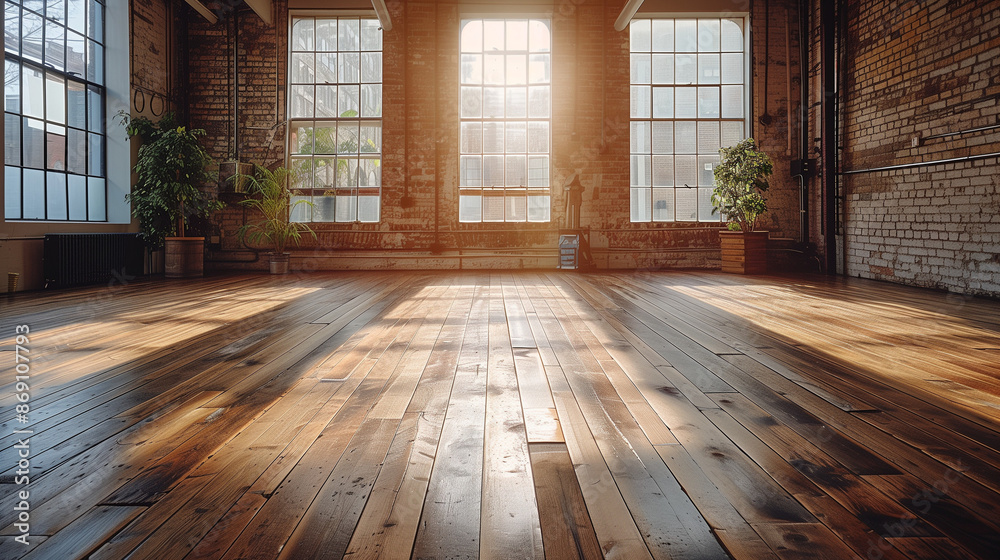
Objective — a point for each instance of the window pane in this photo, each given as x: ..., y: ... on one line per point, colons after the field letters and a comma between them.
x: 95, y: 109
x: 687, y: 103
x: 639, y: 137
x: 685, y: 171
x: 12, y: 193
x: 732, y: 35
x: 301, y: 101
x: 303, y: 31
x: 517, y: 69
x: 493, y: 102
x: 12, y: 139
x: 472, y: 102
x: 517, y: 171
x: 663, y: 205
x: 640, y: 171
x: 55, y: 146
x: 705, y: 212
x: 325, y: 67
x: 663, y: 35
x: 326, y: 34
x: 303, y: 68
x: 76, y: 104
x: 663, y: 68
x: 538, y: 207
x: 347, y: 206
x: 732, y: 102
x: 472, y: 36
x: 471, y: 171
x: 708, y: 137
x: 663, y: 171
x: 34, y: 93
x: 12, y: 86
x: 663, y: 137
x: 324, y: 177
x: 76, y: 151
x: 708, y: 35
x: 732, y: 68
x: 538, y: 171
x: 493, y: 171
x: 493, y: 35
x: 348, y: 98
x: 493, y: 69
x: 95, y: 62
x: 641, y: 68
x: 686, y: 204
x: 639, y: 35
x: 708, y: 102
x: 95, y: 29
x: 686, y: 35
x: 370, y: 172
x: 350, y: 35
x: 76, y: 15
x: 95, y: 149
x: 55, y: 98
x: 493, y: 142
x: 538, y: 102
x: 347, y: 172
x: 347, y: 138
x: 33, y: 196
x: 56, y: 196
x: 326, y: 137
x: 641, y: 101
x: 324, y: 208
x: 706, y: 164
x: 368, y: 208
x: 538, y: 137
x: 517, y: 35
x: 31, y: 37
x: 11, y: 31
x: 516, y: 137
x: 663, y: 102
x: 371, y: 35
x: 470, y: 208
x: 472, y: 69
x: 732, y: 133
x: 640, y: 205
x: 516, y: 207
x: 371, y: 100
x: 76, y: 55
x: 539, y: 36
x: 472, y: 138
x: 686, y: 68
x: 516, y: 106
x: 349, y: 65
x: 55, y: 46
x: 370, y: 140
x: 686, y: 137
x: 708, y: 69
x: 33, y: 145
x: 539, y: 69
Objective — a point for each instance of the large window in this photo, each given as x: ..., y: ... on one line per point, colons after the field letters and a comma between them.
x: 335, y: 109
x: 506, y: 76
x: 54, y: 121
x: 688, y: 97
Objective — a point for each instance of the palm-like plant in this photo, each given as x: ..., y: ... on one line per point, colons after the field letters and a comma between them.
x: 270, y: 196
x: 740, y: 181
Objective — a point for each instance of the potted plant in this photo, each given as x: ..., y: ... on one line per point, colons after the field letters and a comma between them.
x: 170, y: 167
x: 269, y: 195
x: 740, y: 183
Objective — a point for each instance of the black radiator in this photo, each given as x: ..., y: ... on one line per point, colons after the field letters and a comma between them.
x: 76, y: 259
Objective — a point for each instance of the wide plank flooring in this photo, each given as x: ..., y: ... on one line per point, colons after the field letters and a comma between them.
x: 506, y: 415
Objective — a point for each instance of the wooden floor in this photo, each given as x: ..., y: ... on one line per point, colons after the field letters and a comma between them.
x: 505, y: 415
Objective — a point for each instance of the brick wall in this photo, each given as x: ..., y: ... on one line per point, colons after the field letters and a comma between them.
x: 421, y: 144
x: 923, y: 69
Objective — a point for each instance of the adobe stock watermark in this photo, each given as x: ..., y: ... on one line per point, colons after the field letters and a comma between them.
x: 921, y: 502
x: 22, y: 378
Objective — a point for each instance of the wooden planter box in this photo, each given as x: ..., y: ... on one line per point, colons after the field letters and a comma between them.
x: 744, y: 253
x: 185, y: 257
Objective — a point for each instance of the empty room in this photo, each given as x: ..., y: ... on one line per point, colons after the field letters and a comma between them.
x: 471, y: 279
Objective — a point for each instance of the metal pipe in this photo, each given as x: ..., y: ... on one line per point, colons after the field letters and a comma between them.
x: 828, y: 14
x: 803, y: 119
x: 960, y: 132
x: 921, y: 164
x: 631, y: 7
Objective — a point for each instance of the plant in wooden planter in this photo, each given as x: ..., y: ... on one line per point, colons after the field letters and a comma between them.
x: 171, y: 166
x: 740, y: 183
x: 269, y: 195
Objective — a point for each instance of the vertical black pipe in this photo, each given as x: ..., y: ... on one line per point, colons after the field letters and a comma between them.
x: 803, y: 119
x: 828, y: 23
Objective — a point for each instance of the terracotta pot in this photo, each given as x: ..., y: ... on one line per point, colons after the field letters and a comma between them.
x: 744, y: 252
x: 184, y: 257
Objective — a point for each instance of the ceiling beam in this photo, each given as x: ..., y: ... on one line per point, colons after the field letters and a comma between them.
x: 383, y: 14
x: 203, y: 10
x: 631, y: 7
x: 263, y: 9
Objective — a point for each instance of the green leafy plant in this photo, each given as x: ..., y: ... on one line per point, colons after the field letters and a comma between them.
x: 269, y: 195
x: 740, y: 181
x: 171, y: 166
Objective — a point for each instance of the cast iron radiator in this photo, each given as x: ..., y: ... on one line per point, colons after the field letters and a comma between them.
x: 75, y: 259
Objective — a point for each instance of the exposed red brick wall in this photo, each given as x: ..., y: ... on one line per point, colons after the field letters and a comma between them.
x: 918, y: 69
x: 420, y: 131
